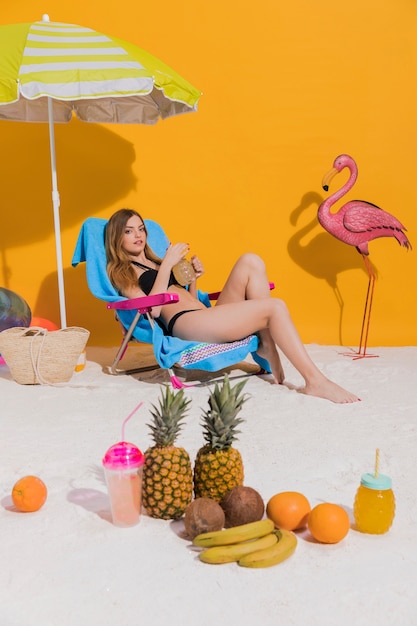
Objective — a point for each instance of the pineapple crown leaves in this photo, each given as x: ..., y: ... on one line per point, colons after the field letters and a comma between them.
x: 167, y: 416
x: 220, y: 422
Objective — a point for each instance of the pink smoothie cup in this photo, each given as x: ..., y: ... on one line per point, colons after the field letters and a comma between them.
x: 123, y: 468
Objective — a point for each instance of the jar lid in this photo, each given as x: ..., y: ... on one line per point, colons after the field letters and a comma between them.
x: 123, y: 455
x: 379, y: 483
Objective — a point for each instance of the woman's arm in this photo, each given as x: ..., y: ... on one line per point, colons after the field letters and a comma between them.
x: 173, y: 254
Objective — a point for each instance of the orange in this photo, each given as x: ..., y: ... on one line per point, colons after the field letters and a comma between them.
x: 29, y: 494
x: 288, y: 510
x: 328, y: 523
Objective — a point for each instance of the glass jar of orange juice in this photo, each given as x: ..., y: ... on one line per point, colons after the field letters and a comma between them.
x: 374, y: 506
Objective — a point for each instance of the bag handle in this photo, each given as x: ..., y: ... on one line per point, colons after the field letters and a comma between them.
x: 36, y: 365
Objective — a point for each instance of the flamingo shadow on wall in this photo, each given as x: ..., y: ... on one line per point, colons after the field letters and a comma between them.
x: 321, y: 255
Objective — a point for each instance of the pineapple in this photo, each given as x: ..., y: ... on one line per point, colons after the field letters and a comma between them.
x: 167, y: 473
x: 218, y: 466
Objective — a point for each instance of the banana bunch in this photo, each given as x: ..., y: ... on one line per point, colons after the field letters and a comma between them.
x: 257, y: 544
x: 281, y: 550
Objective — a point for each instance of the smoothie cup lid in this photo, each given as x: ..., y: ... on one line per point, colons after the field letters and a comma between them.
x: 379, y: 483
x: 123, y: 455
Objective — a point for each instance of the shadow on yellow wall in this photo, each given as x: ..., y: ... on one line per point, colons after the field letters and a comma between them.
x: 96, y: 169
x: 93, y: 168
x: 320, y: 254
x: 83, y: 309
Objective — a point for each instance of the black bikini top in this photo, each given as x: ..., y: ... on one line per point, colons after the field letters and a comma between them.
x: 147, y: 279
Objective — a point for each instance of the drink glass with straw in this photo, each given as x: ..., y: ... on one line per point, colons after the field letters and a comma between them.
x: 123, y: 468
x: 374, y: 506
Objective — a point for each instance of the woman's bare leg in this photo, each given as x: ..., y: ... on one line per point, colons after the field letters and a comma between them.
x: 248, y: 281
x: 234, y: 320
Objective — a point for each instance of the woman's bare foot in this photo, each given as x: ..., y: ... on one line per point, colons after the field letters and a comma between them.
x: 278, y: 372
x: 275, y: 363
x: 327, y: 389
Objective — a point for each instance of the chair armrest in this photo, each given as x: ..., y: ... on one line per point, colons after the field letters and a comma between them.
x: 216, y: 294
x: 144, y: 304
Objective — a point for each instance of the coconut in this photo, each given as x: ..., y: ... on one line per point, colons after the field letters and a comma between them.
x: 242, y: 505
x: 203, y: 515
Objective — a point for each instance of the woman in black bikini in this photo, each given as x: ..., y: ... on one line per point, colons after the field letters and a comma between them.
x: 244, y: 306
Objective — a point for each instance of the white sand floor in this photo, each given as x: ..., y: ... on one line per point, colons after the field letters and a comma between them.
x: 67, y: 565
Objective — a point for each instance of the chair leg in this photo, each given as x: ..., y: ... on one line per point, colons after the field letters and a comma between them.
x: 175, y: 381
x: 112, y: 369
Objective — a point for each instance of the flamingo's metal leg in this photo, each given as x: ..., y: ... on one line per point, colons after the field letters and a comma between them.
x: 367, y: 311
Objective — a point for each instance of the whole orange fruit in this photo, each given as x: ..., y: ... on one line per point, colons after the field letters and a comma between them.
x: 328, y: 523
x: 288, y: 510
x: 29, y: 494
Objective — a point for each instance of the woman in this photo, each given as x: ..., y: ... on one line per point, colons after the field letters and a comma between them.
x: 244, y: 306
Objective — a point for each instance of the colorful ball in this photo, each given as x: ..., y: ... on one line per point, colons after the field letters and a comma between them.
x: 14, y: 310
x: 43, y: 323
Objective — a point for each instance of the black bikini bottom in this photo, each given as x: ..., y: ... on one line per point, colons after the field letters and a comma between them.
x: 174, y: 319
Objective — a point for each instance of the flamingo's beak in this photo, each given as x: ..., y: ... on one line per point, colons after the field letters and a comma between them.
x: 327, y: 179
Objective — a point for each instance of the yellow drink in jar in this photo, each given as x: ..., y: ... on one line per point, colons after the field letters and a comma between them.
x: 374, y: 506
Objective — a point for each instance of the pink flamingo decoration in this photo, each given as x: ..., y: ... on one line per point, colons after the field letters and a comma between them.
x: 357, y: 223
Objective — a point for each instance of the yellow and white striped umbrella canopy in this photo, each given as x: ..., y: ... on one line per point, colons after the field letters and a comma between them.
x: 101, y: 78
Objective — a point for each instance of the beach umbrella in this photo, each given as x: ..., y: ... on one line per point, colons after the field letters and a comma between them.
x: 50, y: 71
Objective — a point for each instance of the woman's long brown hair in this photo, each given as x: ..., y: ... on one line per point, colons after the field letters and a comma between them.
x: 119, y: 265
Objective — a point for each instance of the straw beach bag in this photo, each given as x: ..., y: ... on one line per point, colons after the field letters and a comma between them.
x: 36, y: 356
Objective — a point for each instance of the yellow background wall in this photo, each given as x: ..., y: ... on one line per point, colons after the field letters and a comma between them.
x: 286, y: 88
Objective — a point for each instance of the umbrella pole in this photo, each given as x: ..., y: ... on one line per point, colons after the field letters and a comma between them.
x: 57, y: 225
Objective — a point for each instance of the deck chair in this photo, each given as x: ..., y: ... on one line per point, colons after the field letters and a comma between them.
x: 135, y: 317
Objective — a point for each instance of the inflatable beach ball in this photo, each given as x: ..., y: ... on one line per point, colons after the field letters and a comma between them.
x: 14, y: 310
x: 42, y: 322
